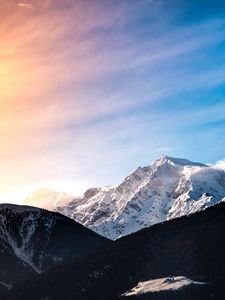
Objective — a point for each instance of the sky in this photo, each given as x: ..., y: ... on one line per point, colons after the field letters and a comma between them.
x: 92, y: 89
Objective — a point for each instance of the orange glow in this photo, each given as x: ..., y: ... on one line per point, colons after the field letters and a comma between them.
x: 43, y: 49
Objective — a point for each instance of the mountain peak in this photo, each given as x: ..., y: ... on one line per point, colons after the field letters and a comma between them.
x: 170, y: 187
x: 178, y: 161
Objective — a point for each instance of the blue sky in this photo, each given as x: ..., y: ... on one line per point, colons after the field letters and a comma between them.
x: 108, y: 86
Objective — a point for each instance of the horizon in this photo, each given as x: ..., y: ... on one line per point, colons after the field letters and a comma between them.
x: 91, y: 90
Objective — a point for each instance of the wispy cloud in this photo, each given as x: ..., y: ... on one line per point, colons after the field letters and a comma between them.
x: 7, y: 52
x: 25, y: 5
x: 154, y: 4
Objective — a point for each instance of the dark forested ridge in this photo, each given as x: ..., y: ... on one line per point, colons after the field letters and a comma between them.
x: 191, y: 246
x: 33, y: 240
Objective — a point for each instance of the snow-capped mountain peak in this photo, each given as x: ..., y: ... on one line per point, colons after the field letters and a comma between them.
x: 164, y: 159
x: 168, y: 188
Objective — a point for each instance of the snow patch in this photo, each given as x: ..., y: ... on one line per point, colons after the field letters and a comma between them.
x: 7, y: 285
x: 161, y: 284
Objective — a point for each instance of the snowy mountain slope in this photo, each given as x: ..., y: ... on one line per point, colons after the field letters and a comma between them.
x: 168, y: 188
x: 47, y: 199
x: 43, y: 239
x: 12, y: 269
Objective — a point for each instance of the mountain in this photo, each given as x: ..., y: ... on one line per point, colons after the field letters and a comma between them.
x: 43, y: 239
x: 168, y: 188
x: 186, y: 252
x: 47, y: 199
